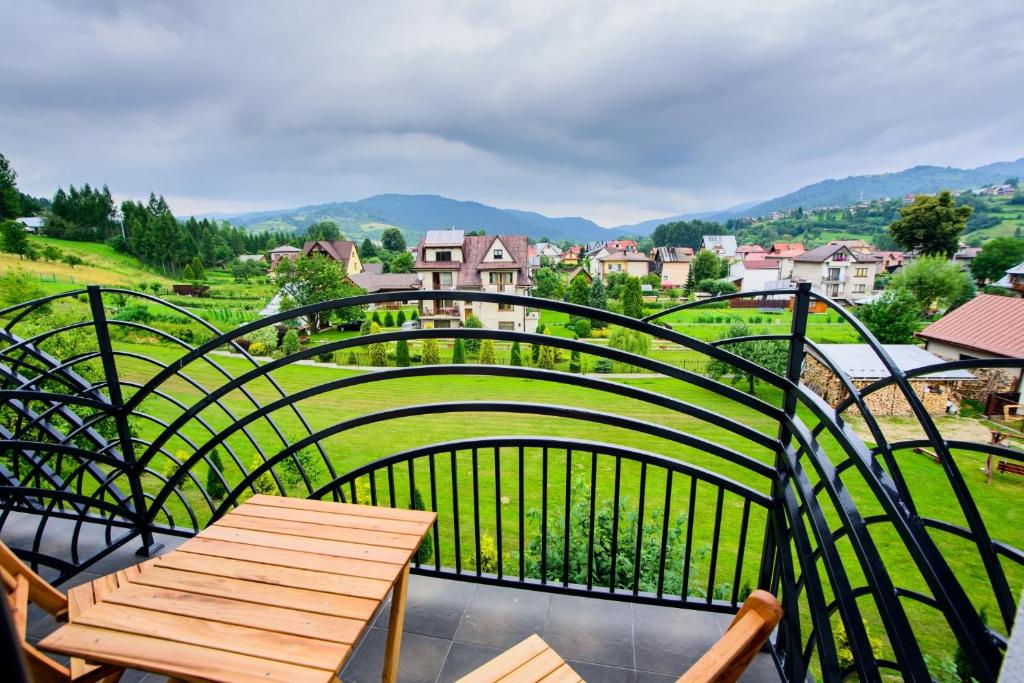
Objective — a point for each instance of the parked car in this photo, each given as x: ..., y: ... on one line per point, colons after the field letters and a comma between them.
x: 411, y: 325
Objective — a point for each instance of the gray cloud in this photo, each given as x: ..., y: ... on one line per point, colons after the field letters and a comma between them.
x: 619, y: 111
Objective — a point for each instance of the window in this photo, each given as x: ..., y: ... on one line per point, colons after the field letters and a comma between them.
x: 500, y: 278
x: 498, y: 254
x: 507, y: 326
x: 860, y: 272
x: 442, y: 256
x: 505, y: 307
x: 442, y: 324
x: 859, y: 289
x: 442, y: 280
x: 839, y: 256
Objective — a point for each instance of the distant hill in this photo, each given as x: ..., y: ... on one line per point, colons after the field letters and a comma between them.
x: 415, y: 214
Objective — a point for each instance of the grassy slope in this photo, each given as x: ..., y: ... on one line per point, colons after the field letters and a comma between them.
x: 361, y: 445
x: 105, y: 267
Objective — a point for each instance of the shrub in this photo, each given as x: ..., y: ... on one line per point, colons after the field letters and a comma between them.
x: 400, y: 318
x: 488, y: 555
x: 277, y: 354
x: 547, y: 358
x: 574, y: 362
x: 378, y: 352
x: 458, y: 353
x: 473, y: 345
x: 257, y: 349
x: 214, y: 486
x: 376, y: 317
x: 487, y: 352
x: 430, y: 352
x: 415, y: 315
x: 630, y: 341
x: 135, y: 312
x: 264, y: 483
x: 389, y: 320
x: 583, y: 328
x: 325, y: 357
x: 352, y: 360
x: 402, y: 353
x: 291, y: 342
x: 309, y: 460
x: 517, y: 355
x: 603, y: 366
x: 267, y: 336
x: 425, y: 553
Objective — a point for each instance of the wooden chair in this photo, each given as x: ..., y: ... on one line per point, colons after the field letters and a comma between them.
x: 24, y: 587
x: 533, y: 660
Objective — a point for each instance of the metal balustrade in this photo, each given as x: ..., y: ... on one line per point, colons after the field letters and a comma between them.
x: 795, y: 503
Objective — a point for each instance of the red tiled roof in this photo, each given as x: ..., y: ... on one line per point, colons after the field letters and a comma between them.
x: 760, y: 262
x: 787, y: 246
x: 750, y: 249
x: 987, y: 323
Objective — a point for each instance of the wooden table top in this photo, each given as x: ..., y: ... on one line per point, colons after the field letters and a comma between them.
x: 279, y: 589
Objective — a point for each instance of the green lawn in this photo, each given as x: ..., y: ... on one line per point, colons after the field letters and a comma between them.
x: 366, y: 443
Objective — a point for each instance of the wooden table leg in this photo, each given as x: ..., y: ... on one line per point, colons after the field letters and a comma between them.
x: 395, y: 622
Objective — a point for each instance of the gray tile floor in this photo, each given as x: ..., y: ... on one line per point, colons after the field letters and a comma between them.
x: 452, y: 627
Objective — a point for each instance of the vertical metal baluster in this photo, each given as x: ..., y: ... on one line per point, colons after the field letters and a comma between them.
x: 639, y: 528
x: 391, y: 484
x: 352, y: 491
x: 476, y: 509
x: 373, y: 487
x: 590, y: 530
x: 615, y: 526
x: 455, y: 515
x: 522, y: 525
x: 689, y: 541
x: 412, y: 502
x: 740, y: 550
x: 544, y: 516
x: 664, y: 531
x: 497, y: 506
x: 714, y: 544
x: 568, y: 506
x: 433, y: 508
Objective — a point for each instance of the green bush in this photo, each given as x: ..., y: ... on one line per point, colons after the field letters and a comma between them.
x: 325, y: 357
x: 264, y: 483
x: 264, y: 335
x: 458, y: 353
x: 425, y: 553
x: 389, y: 320
x: 603, y: 366
x: 402, y: 353
x: 257, y: 349
x: 400, y: 318
x: 430, y: 353
x: 517, y: 355
x: 487, y: 352
x: 583, y: 328
x: 291, y: 342
x: 473, y: 345
x: 214, y: 486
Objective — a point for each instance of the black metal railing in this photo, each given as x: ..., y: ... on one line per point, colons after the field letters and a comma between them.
x: 115, y: 427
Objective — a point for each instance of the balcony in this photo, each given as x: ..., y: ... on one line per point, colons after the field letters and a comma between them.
x: 623, y: 521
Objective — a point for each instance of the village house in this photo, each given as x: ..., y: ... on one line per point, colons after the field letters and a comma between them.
x: 891, y: 260
x: 571, y: 256
x: 783, y: 253
x: 32, y: 224
x: 723, y: 246
x: 579, y: 272
x: 451, y: 260
x: 837, y: 271
x: 673, y: 264
x: 987, y: 326
x: 630, y: 262
x: 1013, y: 280
x: 856, y: 246
x: 285, y: 251
x: 755, y: 274
x: 940, y: 392
x: 745, y: 251
x: 621, y: 245
x: 342, y: 251
x: 375, y: 281
x: 258, y: 259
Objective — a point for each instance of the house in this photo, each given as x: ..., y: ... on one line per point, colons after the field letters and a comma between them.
x: 745, y: 250
x: 571, y: 256
x: 376, y: 282
x: 837, y: 271
x: 724, y: 246
x: 376, y: 268
x: 450, y: 260
x: 856, y: 246
x: 252, y: 258
x: 621, y: 245
x: 615, y: 261
x: 673, y: 264
x: 1013, y: 280
x: 342, y: 251
x: 965, y: 255
x: 940, y: 392
x: 754, y: 274
x: 548, y: 249
x: 987, y: 326
x: 32, y: 224
x: 579, y: 272
x: 285, y: 251
x: 783, y: 253
x: 891, y: 260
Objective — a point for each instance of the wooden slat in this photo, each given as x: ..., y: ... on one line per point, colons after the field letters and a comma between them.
x: 246, y: 640
x: 175, y: 659
x: 507, y: 662
x: 421, y: 516
x: 357, y: 551
x: 535, y: 669
x: 261, y: 593
x: 333, y: 519
x: 103, y: 586
x: 80, y: 598
x: 321, y: 531
x: 375, y: 589
x: 290, y: 558
x: 269, y: 617
x: 563, y: 674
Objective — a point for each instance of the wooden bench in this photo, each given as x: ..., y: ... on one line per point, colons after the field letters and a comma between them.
x: 529, y: 661
x: 1011, y: 467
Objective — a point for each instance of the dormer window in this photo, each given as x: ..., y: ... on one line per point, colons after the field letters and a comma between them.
x: 498, y: 254
x: 443, y: 256
x: 839, y: 256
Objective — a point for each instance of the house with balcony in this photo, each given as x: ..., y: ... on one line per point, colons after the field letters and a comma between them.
x: 342, y: 251
x: 838, y: 271
x: 783, y: 254
x: 285, y: 251
x: 450, y: 260
x: 618, y: 261
x: 673, y: 264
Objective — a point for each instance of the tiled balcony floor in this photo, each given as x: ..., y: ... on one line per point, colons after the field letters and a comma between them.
x: 451, y: 627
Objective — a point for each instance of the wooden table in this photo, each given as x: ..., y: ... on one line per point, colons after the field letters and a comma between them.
x: 279, y: 589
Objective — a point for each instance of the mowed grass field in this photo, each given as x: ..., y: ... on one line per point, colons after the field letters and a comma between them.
x: 357, y: 446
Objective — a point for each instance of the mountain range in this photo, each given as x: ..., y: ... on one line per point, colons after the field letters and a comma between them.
x: 414, y: 214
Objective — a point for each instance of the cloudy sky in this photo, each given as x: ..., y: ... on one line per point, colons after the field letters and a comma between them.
x: 617, y: 111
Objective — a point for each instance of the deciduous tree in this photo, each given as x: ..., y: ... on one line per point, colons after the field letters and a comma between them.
x: 931, y: 225
x: 934, y: 281
x: 13, y: 239
x: 771, y: 355
x: 996, y: 257
x: 314, y: 279
x: 893, y: 318
x: 705, y: 266
x: 392, y: 240
x: 10, y: 198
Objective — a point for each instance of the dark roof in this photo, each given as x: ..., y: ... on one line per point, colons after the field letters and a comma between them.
x: 376, y: 268
x: 825, y: 252
x: 339, y: 250
x: 379, y: 282
x: 987, y: 322
x: 580, y: 271
x: 474, y: 251
x: 669, y: 254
